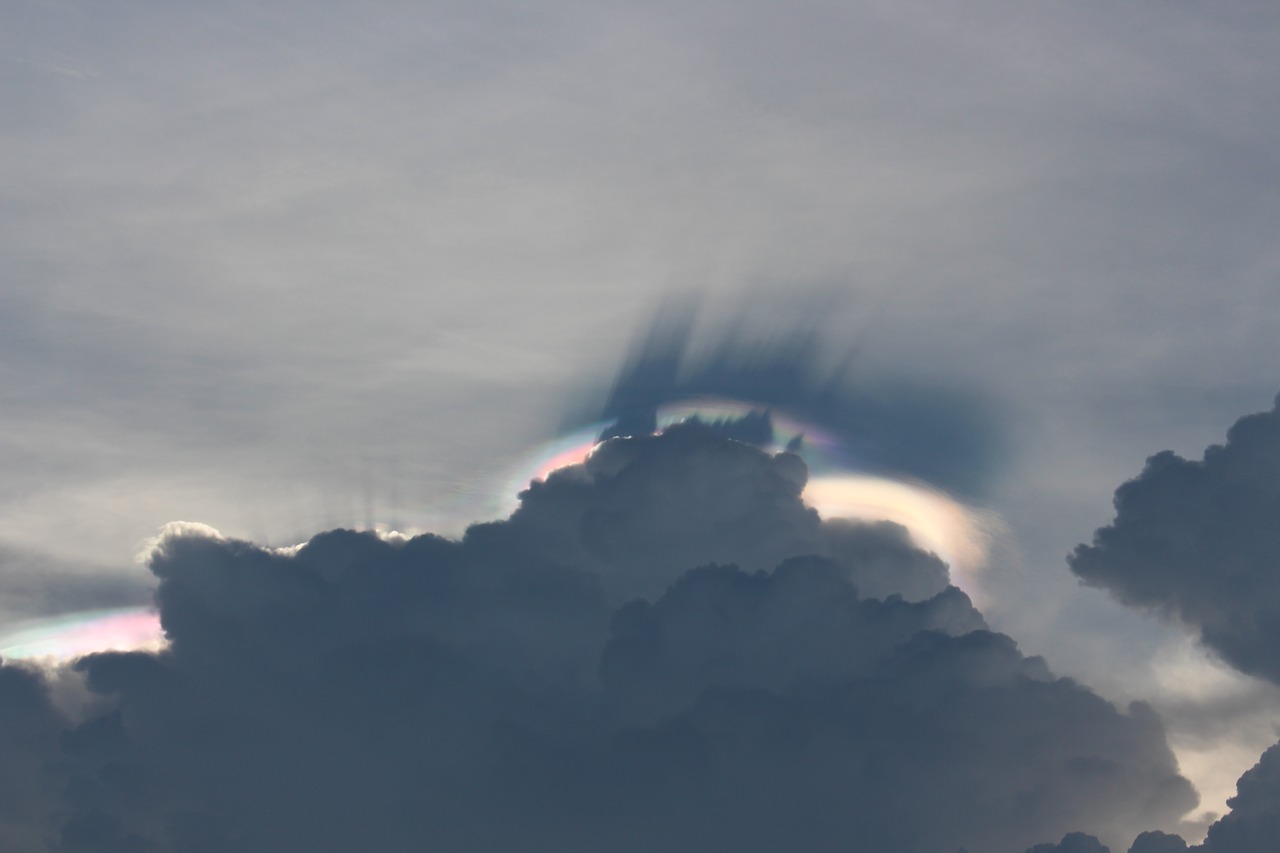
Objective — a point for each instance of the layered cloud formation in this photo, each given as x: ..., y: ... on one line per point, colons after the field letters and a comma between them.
x: 663, y: 648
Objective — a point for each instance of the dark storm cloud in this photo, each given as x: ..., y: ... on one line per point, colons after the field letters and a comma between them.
x: 29, y: 732
x: 800, y: 625
x: 1198, y: 541
x: 1158, y: 842
x: 1252, y: 825
x: 1072, y: 842
x: 492, y: 694
x: 945, y: 436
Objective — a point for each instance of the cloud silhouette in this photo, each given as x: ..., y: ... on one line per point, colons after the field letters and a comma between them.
x: 1158, y: 842
x: 1072, y: 842
x: 1198, y: 541
x: 29, y: 731
x: 1253, y: 824
x: 617, y: 666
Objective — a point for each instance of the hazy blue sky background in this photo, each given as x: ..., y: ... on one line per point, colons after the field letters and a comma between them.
x: 280, y: 267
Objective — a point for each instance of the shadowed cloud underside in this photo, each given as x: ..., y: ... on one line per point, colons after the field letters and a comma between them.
x: 662, y: 648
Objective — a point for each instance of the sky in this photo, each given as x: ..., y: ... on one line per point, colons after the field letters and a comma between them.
x: 284, y: 268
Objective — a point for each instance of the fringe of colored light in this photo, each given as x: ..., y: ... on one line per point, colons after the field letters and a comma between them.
x: 958, y: 534
x: 821, y: 450
x: 77, y: 634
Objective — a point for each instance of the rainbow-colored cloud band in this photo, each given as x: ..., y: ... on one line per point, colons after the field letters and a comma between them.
x: 76, y: 634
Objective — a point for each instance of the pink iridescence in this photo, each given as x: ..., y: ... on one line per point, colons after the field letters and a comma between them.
x: 959, y: 534
x: 77, y: 634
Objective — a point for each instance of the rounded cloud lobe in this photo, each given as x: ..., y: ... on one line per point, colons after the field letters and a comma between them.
x: 662, y: 649
x: 1199, y: 540
x: 1253, y: 825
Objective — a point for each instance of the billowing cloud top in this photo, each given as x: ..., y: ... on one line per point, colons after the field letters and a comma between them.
x: 1198, y: 541
x: 662, y: 649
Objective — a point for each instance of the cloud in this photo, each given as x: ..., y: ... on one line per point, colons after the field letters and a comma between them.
x: 1197, y: 541
x: 653, y: 652
x: 1158, y: 842
x: 188, y: 270
x: 715, y: 502
x: 945, y: 436
x: 29, y: 730
x: 1253, y: 824
x: 802, y: 625
x: 1072, y: 842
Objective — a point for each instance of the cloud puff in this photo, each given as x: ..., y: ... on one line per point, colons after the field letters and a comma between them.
x: 1072, y: 842
x: 709, y: 501
x: 641, y: 511
x: 1198, y: 541
x: 1253, y: 824
x: 29, y: 731
x: 652, y: 653
x: 1158, y: 842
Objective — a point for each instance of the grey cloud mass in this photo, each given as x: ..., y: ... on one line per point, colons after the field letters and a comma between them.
x: 1072, y: 842
x: 1158, y: 842
x: 1197, y: 541
x: 293, y: 267
x: 494, y: 692
x: 1253, y: 825
x: 30, y: 728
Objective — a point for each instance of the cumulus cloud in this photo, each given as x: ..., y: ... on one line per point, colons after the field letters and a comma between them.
x: 29, y: 731
x: 1156, y: 841
x: 657, y: 651
x: 1253, y: 824
x: 1072, y: 842
x: 714, y: 501
x: 1198, y: 541
x: 882, y: 560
